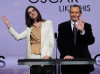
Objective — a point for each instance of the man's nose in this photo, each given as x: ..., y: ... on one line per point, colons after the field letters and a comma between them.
x: 74, y: 14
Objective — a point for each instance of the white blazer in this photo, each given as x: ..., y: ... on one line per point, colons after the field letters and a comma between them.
x: 47, y: 39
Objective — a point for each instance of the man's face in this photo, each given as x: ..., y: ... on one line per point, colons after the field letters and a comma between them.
x: 75, y: 13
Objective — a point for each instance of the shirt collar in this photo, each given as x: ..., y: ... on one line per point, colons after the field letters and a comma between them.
x: 72, y: 24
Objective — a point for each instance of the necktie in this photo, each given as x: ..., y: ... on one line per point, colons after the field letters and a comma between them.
x: 75, y: 33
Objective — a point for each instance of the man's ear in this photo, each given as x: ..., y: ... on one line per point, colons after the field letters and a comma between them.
x: 80, y: 14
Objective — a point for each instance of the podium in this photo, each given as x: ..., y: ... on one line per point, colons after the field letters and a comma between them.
x: 77, y: 61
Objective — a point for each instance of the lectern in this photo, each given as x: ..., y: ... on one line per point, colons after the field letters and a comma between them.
x: 77, y: 61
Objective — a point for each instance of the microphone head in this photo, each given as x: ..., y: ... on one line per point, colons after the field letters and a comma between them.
x: 55, y: 35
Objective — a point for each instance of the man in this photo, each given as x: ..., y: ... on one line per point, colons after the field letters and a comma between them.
x: 73, y: 45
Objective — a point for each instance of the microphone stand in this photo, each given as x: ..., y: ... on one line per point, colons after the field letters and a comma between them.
x: 57, y: 67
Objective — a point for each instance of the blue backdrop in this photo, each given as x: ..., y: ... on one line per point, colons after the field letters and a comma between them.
x: 54, y: 10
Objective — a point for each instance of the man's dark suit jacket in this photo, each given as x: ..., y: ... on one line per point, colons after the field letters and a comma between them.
x: 66, y: 44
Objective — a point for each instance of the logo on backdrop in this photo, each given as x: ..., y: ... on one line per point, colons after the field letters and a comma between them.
x: 72, y: 1
x: 63, y: 8
x: 52, y: 1
x: 97, y: 59
x: 66, y: 7
x: 1, y: 61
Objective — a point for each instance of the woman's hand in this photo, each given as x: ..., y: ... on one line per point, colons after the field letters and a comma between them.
x: 6, y: 21
x: 46, y: 57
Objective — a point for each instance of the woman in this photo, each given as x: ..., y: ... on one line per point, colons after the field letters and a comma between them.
x: 39, y: 33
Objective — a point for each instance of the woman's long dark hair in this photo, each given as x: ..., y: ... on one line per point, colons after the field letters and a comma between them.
x: 29, y: 21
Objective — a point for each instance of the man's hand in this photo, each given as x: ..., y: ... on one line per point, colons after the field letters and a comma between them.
x: 80, y: 25
x: 68, y: 57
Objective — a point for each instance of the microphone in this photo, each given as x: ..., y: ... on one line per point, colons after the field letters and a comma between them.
x: 55, y: 35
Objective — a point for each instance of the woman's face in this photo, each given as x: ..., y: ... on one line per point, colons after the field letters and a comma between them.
x: 32, y: 13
